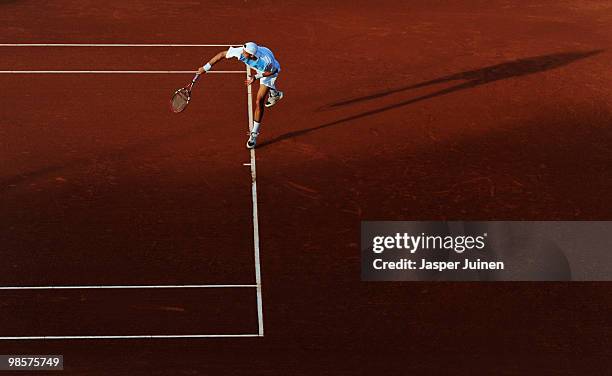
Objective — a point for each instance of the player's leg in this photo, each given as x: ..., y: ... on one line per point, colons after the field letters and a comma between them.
x: 258, y: 115
x: 260, y: 100
x: 275, y: 94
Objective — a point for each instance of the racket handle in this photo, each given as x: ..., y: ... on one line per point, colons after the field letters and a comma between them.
x: 196, y: 78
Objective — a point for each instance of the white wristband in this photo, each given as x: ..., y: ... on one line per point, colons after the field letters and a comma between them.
x: 258, y: 76
x: 207, y: 67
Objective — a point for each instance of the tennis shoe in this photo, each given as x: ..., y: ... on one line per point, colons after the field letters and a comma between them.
x: 252, y: 142
x: 272, y: 99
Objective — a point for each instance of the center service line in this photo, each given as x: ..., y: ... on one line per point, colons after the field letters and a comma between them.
x: 255, y: 215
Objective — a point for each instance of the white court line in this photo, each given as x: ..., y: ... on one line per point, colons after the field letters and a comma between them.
x: 255, y: 216
x: 153, y: 336
x: 112, y: 45
x: 108, y: 72
x: 122, y: 287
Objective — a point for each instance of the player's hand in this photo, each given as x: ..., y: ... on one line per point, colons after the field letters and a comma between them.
x: 201, y: 70
x: 249, y: 81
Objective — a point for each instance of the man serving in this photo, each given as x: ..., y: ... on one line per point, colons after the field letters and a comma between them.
x: 262, y: 60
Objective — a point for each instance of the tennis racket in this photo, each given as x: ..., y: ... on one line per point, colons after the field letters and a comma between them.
x: 181, y: 97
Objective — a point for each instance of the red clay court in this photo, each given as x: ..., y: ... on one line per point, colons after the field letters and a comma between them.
x: 415, y: 110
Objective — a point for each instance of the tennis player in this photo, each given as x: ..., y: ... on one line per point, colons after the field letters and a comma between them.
x: 262, y: 60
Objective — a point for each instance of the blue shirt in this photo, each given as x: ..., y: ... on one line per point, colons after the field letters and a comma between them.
x: 265, y: 61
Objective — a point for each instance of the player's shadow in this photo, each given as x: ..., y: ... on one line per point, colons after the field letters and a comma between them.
x: 474, y: 78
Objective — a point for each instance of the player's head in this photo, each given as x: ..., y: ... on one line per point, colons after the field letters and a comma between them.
x: 249, y: 50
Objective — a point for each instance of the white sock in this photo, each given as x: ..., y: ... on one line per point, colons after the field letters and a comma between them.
x: 255, y: 127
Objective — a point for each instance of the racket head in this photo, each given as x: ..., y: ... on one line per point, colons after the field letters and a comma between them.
x: 180, y: 99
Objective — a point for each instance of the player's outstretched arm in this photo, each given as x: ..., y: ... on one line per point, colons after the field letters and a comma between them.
x: 218, y: 57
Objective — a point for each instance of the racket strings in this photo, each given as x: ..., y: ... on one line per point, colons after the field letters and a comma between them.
x: 180, y: 100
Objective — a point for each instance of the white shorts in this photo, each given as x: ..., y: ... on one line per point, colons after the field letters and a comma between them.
x: 269, y: 81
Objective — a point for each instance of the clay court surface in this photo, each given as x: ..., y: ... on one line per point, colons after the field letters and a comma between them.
x: 393, y: 110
